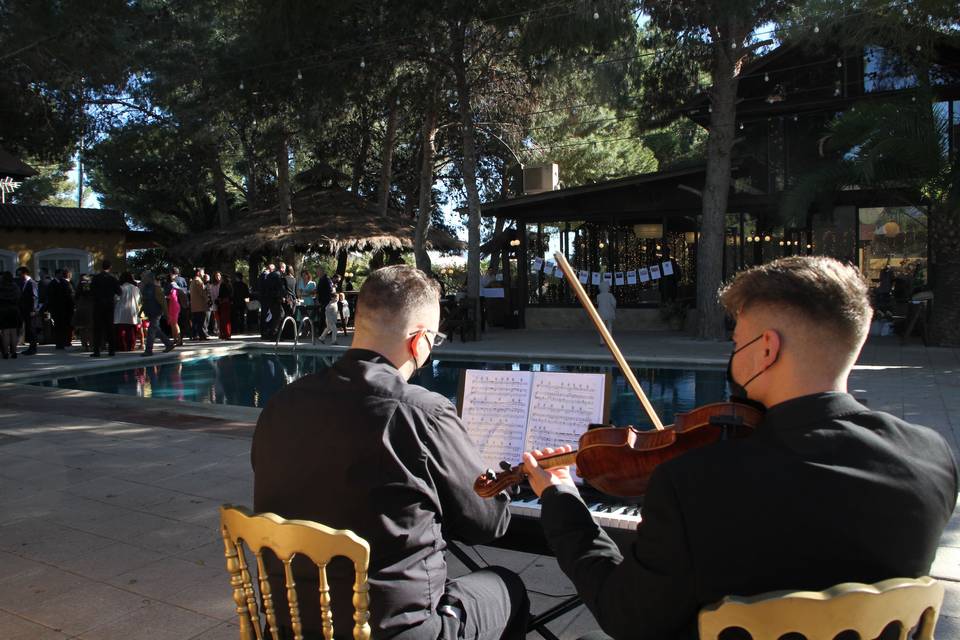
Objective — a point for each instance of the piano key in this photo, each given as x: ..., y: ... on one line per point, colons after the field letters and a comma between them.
x: 618, y: 517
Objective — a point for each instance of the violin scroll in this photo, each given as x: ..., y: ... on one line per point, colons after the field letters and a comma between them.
x: 491, y: 483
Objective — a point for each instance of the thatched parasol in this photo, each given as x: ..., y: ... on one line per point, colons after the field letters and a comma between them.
x: 330, y: 219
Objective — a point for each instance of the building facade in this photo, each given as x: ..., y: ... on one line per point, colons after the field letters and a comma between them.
x: 633, y: 224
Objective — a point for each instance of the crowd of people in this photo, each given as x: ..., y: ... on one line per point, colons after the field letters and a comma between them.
x: 106, y: 312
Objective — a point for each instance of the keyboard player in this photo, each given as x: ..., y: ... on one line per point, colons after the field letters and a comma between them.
x: 825, y: 491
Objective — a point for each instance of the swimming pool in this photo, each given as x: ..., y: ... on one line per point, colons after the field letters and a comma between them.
x: 250, y: 378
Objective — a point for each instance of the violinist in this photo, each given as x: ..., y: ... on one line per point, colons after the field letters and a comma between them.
x: 824, y: 491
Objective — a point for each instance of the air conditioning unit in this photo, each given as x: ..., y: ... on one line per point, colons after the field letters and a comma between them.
x: 540, y: 178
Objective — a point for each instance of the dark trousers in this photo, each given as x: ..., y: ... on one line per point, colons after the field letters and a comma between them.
x: 103, y: 328
x: 153, y: 332
x: 276, y: 317
x: 199, y: 320
x: 493, y: 604
x: 29, y: 330
x: 62, y: 331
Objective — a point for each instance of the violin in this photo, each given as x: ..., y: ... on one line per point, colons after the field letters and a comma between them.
x: 619, y: 461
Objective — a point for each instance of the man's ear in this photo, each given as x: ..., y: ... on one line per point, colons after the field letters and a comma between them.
x: 772, y: 343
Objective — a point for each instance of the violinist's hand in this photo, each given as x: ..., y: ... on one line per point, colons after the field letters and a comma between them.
x: 541, y: 478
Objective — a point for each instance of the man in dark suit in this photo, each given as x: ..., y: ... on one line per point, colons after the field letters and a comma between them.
x: 359, y: 448
x: 60, y: 304
x: 825, y: 491
x: 29, y: 307
x: 104, y: 288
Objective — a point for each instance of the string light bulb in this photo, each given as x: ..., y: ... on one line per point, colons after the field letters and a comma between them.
x: 596, y: 15
x: 363, y: 63
x: 766, y: 238
x: 299, y: 75
x: 816, y: 28
x: 839, y: 63
x: 766, y: 77
x: 433, y: 49
x: 741, y: 126
x: 795, y: 118
x: 919, y: 48
x: 905, y: 12
x: 241, y: 85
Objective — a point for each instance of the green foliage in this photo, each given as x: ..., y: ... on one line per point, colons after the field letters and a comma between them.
x: 52, y: 187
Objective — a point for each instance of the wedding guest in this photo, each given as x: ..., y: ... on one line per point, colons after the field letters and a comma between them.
x: 225, y: 307
x: 199, y: 304
x: 126, y: 313
x: 106, y: 290
x: 173, y: 312
x: 83, y: 313
x: 29, y: 306
x: 60, y: 304
x: 154, y: 307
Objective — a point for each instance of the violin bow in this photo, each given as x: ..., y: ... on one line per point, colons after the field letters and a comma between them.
x: 607, y: 338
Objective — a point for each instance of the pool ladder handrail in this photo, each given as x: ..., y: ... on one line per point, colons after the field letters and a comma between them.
x: 296, y: 333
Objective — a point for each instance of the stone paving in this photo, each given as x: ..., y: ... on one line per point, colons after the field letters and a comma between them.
x: 108, y: 505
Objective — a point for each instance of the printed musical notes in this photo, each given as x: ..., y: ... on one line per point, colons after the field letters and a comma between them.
x: 561, y: 407
x: 618, y: 279
x: 508, y: 412
x: 495, y: 405
x: 667, y: 268
x: 655, y: 272
x: 632, y: 276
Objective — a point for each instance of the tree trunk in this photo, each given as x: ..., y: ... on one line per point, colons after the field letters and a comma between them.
x: 716, y: 190
x: 386, y: 156
x: 425, y: 208
x: 342, y: 256
x: 253, y: 195
x: 496, y: 256
x: 220, y: 187
x: 283, y: 182
x: 945, y: 274
x: 361, y: 158
x: 469, y: 170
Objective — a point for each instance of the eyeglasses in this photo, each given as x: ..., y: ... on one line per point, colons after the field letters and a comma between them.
x: 438, y: 337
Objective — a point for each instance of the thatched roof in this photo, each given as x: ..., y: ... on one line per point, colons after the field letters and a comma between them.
x: 323, y: 219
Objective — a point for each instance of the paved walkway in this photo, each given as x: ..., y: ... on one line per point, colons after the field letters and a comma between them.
x: 108, y: 504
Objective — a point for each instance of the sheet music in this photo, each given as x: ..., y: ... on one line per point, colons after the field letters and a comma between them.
x: 495, y: 407
x: 561, y: 407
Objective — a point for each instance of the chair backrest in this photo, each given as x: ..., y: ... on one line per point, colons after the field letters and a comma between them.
x: 822, y: 615
x: 287, y: 538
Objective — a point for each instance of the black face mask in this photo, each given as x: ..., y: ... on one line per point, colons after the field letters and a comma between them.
x: 738, y: 391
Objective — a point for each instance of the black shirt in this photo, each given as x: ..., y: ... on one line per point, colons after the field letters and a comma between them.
x: 825, y: 491
x: 105, y: 286
x: 357, y: 447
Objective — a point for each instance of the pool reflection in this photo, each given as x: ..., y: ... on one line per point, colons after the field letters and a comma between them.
x: 251, y: 378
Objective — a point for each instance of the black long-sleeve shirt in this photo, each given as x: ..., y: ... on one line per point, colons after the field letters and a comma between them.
x: 824, y: 492
x: 359, y: 448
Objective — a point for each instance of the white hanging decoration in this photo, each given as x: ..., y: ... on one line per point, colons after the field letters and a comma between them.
x: 299, y: 75
x: 839, y: 63
x: 7, y: 185
x: 241, y: 85
x: 596, y: 15
x: 363, y: 63
x: 816, y: 28
x: 741, y: 126
x: 766, y: 77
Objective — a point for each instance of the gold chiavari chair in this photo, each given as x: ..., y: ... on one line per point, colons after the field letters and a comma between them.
x: 821, y: 615
x: 287, y: 538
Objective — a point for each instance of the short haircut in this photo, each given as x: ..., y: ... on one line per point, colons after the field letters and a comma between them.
x: 24, y: 270
x: 393, y: 293
x: 822, y: 291
x: 106, y: 265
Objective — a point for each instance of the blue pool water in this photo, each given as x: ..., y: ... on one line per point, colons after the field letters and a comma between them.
x: 251, y: 378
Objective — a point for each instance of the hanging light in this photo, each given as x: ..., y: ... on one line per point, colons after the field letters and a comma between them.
x: 241, y: 85
x: 741, y: 126
x: 363, y: 63
x: 905, y: 12
x: 433, y: 49
x: 749, y: 238
x: 299, y: 75
x: 766, y: 77
x: 596, y: 15
x: 919, y: 48
x: 781, y: 243
x: 795, y: 118
x: 602, y: 245
x: 839, y: 63
x: 816, y: 28
x: 756, y: 238
x: 766, y: 238
x: 809, y: 246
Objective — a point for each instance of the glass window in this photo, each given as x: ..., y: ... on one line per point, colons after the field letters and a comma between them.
x: 884, y: 71
x: 893, y: 238
x: 834, y: 233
